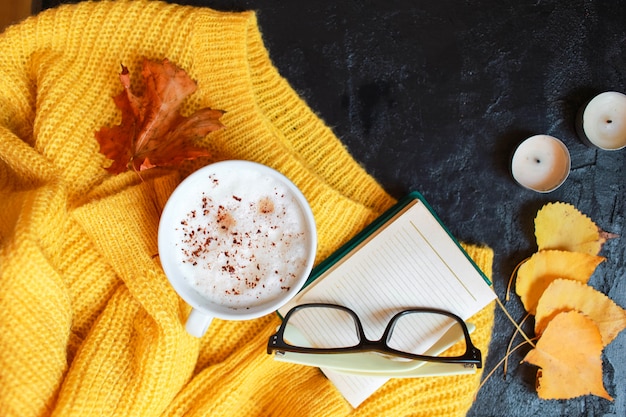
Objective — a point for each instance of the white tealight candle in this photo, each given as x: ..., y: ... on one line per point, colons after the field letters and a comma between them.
x: 541, y: 163
x: 602, y: 122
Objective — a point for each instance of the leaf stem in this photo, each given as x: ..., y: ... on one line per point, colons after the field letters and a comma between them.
x: 517, y: 326
x: 508, y: 349
x: 490, y: 374
x: 512, y: 278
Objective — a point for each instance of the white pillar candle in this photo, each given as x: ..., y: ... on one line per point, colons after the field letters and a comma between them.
x: 541, y: 163
x: 602, y: 122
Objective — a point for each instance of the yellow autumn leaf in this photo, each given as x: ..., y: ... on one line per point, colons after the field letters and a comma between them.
x: 565, y: 295
x: 534, y: 276
x: 569, y: 355
x: 561, y: 226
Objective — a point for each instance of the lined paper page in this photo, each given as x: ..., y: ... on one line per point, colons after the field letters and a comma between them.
x: 412, y: 262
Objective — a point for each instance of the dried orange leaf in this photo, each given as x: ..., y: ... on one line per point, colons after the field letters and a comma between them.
x: 569, y: 355
x: 561, y: 226
x: 153, y: 132
x: 565, y: 295
x: 534, y: 276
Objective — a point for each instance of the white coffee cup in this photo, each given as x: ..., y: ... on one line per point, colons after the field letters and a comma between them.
x: 216, y: 233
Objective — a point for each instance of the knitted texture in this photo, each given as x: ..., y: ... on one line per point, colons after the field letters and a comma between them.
x: 88, y: 322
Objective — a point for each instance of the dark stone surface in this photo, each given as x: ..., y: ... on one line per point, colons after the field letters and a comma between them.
x: 435, y: 95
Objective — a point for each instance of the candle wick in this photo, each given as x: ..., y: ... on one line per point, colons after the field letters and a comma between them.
x: 537, y: 160
x: 609, y: 121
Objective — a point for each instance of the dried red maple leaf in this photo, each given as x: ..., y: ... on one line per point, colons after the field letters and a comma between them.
x: 152, y: 131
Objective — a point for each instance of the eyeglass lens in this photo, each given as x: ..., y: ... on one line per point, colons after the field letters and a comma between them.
x: 416, y: 332
x: 321, y: 327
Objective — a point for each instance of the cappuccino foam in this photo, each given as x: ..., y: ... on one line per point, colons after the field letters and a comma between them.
x: 243, y: 241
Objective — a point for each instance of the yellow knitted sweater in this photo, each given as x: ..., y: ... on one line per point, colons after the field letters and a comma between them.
x: 88, y: 322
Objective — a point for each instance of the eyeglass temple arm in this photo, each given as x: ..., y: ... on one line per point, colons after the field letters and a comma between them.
x: 370, y: 364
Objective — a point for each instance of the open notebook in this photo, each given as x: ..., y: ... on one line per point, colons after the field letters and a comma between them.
x: 406, y: 258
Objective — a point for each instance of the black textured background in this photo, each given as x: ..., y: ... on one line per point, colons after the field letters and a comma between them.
x: 435, y: 95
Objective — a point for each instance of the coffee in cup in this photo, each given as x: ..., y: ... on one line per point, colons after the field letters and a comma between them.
x: 237, y: 241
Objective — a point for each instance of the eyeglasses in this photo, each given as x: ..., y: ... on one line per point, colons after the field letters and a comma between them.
x: 329, y: 335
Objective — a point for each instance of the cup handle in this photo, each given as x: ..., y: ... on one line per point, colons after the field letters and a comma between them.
x: 197, y: 323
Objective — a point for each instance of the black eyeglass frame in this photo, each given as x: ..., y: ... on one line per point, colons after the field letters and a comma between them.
x: 472, y: 354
